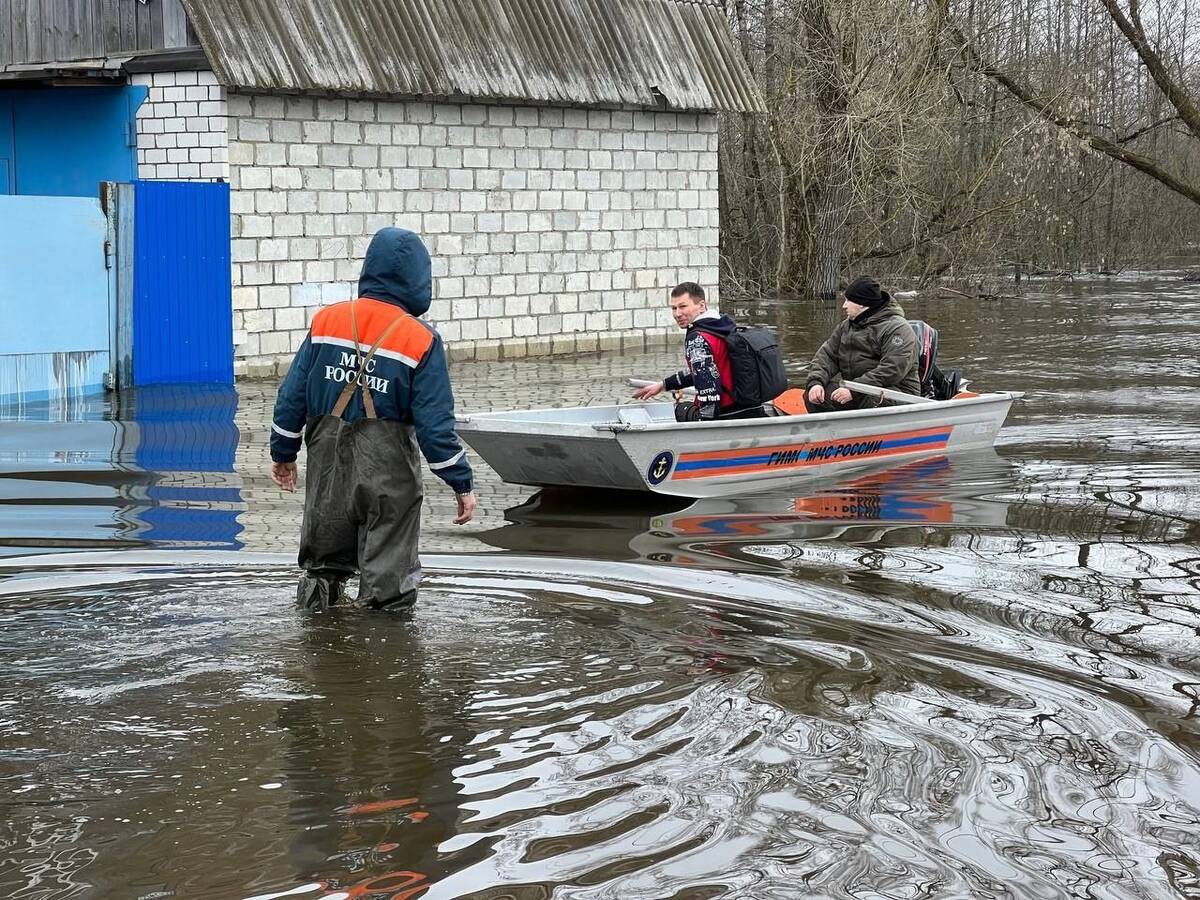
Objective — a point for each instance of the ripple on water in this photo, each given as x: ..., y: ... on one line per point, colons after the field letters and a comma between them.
x: 588, y: 730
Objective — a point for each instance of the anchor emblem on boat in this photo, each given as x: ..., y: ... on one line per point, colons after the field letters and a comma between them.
x: 660, y: 466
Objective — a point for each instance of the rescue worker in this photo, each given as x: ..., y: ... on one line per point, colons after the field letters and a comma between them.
x: 874, y: 344
x: 707, y: 356
x: 366, y: 388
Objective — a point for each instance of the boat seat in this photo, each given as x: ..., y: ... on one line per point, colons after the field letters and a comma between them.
x: 634, y: 415
x: 791, y: 402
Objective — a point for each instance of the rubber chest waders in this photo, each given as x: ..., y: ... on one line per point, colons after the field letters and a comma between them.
x: 362, y: 505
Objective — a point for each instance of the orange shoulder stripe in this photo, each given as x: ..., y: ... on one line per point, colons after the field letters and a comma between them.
x: 409, y: 341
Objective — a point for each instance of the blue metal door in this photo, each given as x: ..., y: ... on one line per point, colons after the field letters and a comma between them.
x: 64, y: 141
x: 182, y: 293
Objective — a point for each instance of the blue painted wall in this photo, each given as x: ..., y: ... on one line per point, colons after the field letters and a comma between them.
x: 64, y: 141
x: 54, y: 298
x: 182, y: 289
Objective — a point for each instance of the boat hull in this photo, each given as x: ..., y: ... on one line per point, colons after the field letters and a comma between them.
x: 703, y: 465
x: 592, y: 460
x: 638, y: 448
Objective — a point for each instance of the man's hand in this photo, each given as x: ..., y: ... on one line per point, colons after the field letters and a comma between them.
x: 466, y: 507
x: 841, y: 396
x: 816, y: 393
x: 650, y: 390
x: 284, y: 475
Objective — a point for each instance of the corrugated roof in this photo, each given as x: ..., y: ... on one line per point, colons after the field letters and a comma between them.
x: 676, y: 54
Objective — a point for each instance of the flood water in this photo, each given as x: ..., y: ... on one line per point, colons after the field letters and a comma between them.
x: 967, y: 677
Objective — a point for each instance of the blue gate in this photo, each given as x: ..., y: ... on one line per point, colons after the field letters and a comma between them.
x: 182, y: 293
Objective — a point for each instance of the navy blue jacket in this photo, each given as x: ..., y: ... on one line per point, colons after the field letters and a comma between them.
x: 407, y: 377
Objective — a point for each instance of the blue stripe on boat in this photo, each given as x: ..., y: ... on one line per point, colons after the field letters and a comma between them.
x: 760, y: 460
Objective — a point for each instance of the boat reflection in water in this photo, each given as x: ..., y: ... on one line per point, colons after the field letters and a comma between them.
x: 907, y: 502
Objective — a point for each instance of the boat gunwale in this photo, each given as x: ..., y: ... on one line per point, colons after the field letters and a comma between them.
x: 492, y: 419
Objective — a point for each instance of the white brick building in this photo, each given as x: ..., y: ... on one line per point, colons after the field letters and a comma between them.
x: 558, y: 212
x: 552, y: 229
x: 181, y: 127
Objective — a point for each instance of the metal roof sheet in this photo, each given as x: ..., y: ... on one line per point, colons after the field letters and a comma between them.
x: 115, y: 67
x: 673, y: 54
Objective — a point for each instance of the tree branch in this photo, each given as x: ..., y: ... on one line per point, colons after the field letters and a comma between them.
x: 890, y: 252
x: 1175, y: 93
x: 1027, y: 98
x: 1134, y: 135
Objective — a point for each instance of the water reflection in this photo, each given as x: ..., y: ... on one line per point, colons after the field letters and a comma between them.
x: 153, y: 467
x: 370, y: 745
x: 920, y: 497
x: 580, y: 729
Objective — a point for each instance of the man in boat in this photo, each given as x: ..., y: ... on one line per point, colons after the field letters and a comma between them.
x: 874, y: 344
x: 706, y: 352
x: 366, y: 388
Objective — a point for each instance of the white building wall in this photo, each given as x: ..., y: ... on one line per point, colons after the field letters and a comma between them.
x: 181, y: 127
x: 552, y: 230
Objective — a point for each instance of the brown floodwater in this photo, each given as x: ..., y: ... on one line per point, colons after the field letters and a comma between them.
x: 974, y: 676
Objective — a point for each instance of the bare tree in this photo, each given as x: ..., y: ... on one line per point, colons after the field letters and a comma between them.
x: 947, y: 139
x: 1103, y: 137
x: 854, y: 96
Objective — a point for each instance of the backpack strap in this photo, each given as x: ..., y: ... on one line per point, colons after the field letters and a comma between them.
x: 356, y: 382
x: 726, y: 341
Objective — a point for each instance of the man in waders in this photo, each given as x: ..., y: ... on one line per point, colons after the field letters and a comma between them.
x: 367, y: 387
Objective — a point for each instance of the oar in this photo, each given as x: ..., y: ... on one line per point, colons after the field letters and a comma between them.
x: 886, y: 393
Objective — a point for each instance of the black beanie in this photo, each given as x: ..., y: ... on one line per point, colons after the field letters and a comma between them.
x: 865, y: 291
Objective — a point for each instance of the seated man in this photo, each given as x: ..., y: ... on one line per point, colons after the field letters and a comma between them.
x: 874, y: 344
x: 707, y: 356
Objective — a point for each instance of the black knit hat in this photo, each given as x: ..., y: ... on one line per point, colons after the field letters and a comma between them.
x: 865, y: 291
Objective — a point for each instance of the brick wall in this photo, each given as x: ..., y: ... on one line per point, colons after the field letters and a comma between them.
x: 181, y: 127
x: 552, y: 230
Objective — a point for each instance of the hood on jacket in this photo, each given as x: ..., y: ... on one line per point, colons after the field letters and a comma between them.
x: 722, y: 325
x: 397, y: 270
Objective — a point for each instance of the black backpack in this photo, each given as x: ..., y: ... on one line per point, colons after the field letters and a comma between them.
x: 935, y: 384
x: 756, y: 366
